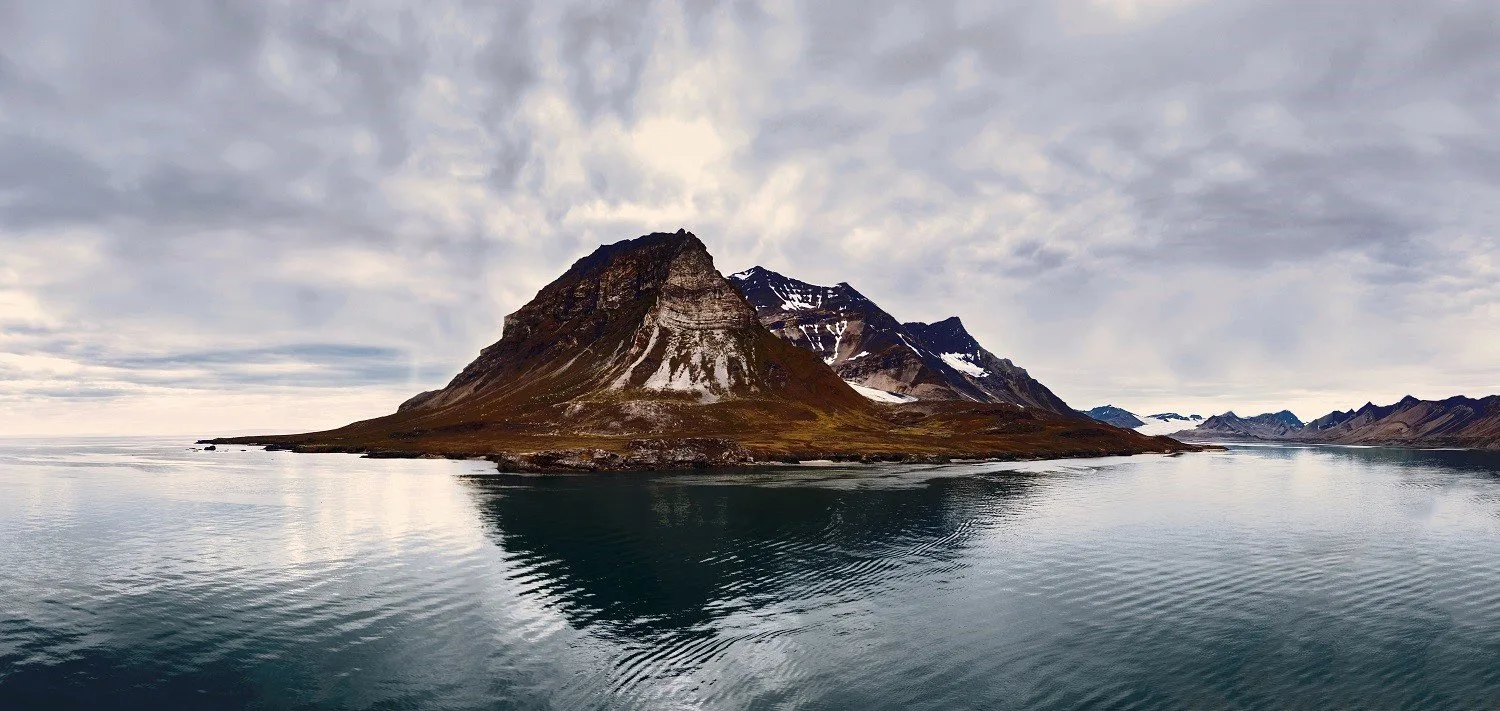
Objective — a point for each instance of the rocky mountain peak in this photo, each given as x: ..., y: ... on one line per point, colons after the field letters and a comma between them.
x: 889, y: 360
x: 945, y: 336
x: 1285, y: 417
x: 640, y: 318
x: 771, y: 292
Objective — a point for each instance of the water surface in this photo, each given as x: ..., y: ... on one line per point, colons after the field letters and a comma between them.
x: 143, y: 574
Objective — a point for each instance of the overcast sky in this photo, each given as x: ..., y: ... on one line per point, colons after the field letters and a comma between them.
x: 229, y: 216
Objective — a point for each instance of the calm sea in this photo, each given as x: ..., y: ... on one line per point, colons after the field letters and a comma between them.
x: 143, y: 574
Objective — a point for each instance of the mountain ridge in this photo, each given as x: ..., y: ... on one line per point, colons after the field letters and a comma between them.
x: 1457, y: 421
x: 869, y: 347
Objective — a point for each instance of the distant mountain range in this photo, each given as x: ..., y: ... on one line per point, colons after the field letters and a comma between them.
x: 1164, y: 423
x: 1171, y: 416
x: 1271, y: 425
x: 1454, y: 422
x: 642, y: 356
x: 885, y: 359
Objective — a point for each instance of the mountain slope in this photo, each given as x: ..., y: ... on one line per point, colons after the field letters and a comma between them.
x: 993, y: 378
x: 1119, y: 417
x: 644, y: 317
x: 1454, y: 422
x: 642, y: 356
x: 1271, y: 425
x: 867, y: 346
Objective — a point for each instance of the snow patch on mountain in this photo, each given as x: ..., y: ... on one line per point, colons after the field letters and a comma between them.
x: 697, y: 363
x: 961, y: 363
x: 1158, y: 425
x: 845, y: 326
x: 795, y: 302
x: 913, y: 348
x: 879, y: 395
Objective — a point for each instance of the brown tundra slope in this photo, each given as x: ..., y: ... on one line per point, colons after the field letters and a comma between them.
x: 643, y: 356
x: 1454, y: 422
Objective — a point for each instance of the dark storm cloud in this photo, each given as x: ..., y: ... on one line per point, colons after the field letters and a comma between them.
x: 1087, y: 182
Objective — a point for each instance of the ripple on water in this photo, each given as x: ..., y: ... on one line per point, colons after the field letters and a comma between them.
x: 147, y: 575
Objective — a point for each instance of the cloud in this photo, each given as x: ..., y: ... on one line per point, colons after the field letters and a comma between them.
x: 1167, y: 204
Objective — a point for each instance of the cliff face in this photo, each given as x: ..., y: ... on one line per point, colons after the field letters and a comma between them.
x: 642, y: 356
x: 867, y: 346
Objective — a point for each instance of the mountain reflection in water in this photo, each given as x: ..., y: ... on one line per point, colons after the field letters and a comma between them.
x: 141, y: 574
x: 644, y: 559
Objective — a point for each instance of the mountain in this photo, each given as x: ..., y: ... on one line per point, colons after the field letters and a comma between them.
x: 646, y: 315
x: 1157, y: 425
x: 1171, y: 416
x: 642, y: 356
x: 1341, y: 424
x: 1109, y: 414
x: 1271, y: 425
x: 1454, y: 422
x: 883, y: 358
x: 989, y: 377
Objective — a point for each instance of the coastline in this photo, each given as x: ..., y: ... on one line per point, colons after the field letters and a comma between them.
x: 1387, y: 444
x: 640, y: 455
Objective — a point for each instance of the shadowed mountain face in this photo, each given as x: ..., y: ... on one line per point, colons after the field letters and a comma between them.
x: 1271, y: 425
x: 867, y: 346
x: 1119, y: 417
x: 1454, y: 422
x: 643, y: 356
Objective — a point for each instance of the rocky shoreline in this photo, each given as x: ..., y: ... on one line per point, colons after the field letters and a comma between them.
x: 693, y: 453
